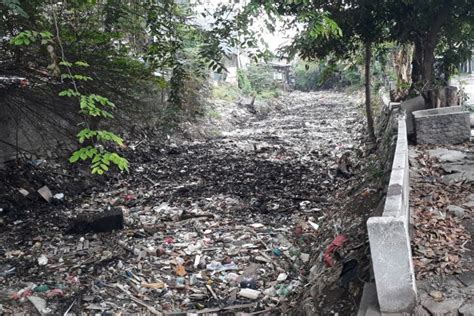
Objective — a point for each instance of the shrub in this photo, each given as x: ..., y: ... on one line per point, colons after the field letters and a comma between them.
x: 325, y: 74
x: 226, y: 92
x: 260, y: 77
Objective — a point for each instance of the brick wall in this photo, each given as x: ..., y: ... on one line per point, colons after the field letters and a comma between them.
x: 448, y: 125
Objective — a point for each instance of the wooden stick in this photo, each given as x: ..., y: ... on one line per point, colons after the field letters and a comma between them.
x: 138, y: 301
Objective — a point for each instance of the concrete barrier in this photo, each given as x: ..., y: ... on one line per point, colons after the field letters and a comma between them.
x: 449, y: 125
x: 410, y: 106
x: 389, y: 237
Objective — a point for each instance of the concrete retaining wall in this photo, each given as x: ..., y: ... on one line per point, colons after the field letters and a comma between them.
x: 410, y: 106
x: 449, y: 125
x: 389, y: 237
x: 31, y: 138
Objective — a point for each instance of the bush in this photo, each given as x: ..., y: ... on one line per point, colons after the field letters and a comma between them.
x: 261, y: 78
x: 307, y: 76
x: 258, y: 80
x: 325, y: 75
x: 268, y: 94
x: 226, y: 92
x: 244, y: 83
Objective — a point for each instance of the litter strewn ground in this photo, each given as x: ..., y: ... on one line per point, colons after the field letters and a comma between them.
x: 252, y: 220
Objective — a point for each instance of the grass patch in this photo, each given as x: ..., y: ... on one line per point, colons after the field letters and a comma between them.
x: 226, y: 92
x: 213, y: 113
x: 268, y: 94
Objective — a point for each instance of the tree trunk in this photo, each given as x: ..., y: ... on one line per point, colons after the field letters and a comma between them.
x: 416, y: 66
x: 368, y: 107
x: 428, y: 63
x: 424, y: 57
x: 401, y: 62
x: 426, y: 83
x: 452, y: 98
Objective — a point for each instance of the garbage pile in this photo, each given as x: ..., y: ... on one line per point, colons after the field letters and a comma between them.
x: 249, y: 221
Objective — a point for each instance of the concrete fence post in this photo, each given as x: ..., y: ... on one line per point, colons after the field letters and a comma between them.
x: 392, y: 263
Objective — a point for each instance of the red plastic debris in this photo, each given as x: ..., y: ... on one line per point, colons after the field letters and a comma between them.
x: 336, y: 244
x: 129, y: 197
x: 298, y: 230
x: 21, y: 294
x: 72, y: 279
x: 55, y: 292
x: 24, y: 83
x: 168, y: 240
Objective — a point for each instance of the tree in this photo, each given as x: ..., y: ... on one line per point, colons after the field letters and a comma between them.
x: 402, y: 58
x: 134, y: 49
x: 426, y: 24
x: 454, y: 48
x: 350, y: 24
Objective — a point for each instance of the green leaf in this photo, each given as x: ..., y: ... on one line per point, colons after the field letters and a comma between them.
x: 107, y: 114
x: 82, y: 77
x: 81, y: 64
x: 66, y: 76
x: 97, y: 158
x: 83, y: 103
x: 46, y: 35
x: 15, y: 6
x: 75, y: 157
x: 69, y: 93
x: 65, y: 63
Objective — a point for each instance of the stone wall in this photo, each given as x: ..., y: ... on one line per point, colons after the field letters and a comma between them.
x: 449, y: 125
x: 390, y: 240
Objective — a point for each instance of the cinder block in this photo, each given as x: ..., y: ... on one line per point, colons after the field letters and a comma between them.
x: 448, y: 125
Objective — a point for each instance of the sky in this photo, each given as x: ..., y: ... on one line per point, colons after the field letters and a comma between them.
x: 274, y: 40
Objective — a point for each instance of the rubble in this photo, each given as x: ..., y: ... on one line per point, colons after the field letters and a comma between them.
x: 467, y: 309
x: 45, y: 193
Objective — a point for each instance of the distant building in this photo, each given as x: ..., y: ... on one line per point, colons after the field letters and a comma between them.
x: 283, y: 75
x: 235, y: 57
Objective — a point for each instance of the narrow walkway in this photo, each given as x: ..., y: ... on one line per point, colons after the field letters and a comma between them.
x: 442, y: 198
x: 466, y: 83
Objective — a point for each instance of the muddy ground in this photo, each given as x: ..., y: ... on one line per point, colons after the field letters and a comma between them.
x: 236, y: 221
